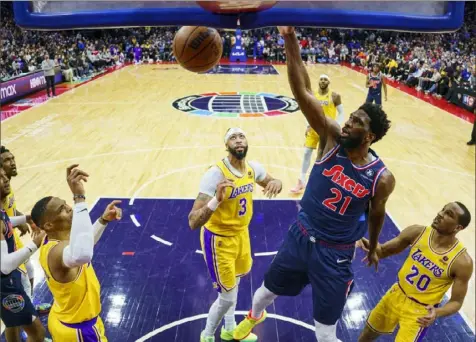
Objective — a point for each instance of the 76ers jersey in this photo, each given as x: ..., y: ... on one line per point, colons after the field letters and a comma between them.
x: 426, y: 274
x: 337, y: 197
x: 9, y: 238
x: 375, y: 82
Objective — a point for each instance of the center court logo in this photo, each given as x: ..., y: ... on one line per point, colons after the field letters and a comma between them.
x: 236, y: 104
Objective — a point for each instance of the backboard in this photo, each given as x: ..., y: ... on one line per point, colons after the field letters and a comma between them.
x: 419, y: 16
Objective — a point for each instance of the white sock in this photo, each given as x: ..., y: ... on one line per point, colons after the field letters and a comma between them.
x: 215, y: 315
x: 306, y: 162
x: 262, y: 298
x: 230, y: 323
x: 326, y: 333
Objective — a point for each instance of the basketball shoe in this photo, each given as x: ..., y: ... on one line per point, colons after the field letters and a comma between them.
x: 247, y: 325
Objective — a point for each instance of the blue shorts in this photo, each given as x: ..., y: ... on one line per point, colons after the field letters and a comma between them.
x: 17, y: 309
x: 377, y: 98
x: 304, y: 260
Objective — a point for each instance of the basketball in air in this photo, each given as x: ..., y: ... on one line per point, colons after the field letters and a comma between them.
x: 197, y: 48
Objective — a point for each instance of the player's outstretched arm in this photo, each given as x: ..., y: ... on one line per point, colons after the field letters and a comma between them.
x: 271, y: 186
x: 10, y: 261
x: 461, y: 271
x: 111, y: 213
x: 398, y: 244
x: 385, y: 187
x: 301, y: 87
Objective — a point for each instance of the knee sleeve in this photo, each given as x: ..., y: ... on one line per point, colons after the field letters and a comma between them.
x: 326, y: 333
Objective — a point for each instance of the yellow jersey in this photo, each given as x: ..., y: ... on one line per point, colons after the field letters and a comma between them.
x: 10, y: 207
x: 235, y: 212
x: 426, y: 274
x: 327, y: 104
x: 76, y: 301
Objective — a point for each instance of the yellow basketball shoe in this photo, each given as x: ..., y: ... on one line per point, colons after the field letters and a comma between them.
x: 244, y: 328
x: 227, y: 335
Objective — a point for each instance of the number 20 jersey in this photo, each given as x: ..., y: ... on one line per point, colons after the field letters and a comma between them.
x: 235, y: 212
x: 426, y: 274
x: 337, y: 197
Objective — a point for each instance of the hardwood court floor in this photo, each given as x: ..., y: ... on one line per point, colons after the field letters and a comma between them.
x: 124, y: 131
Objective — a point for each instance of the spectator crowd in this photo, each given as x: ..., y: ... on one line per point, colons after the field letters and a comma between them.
x: 433, y: 63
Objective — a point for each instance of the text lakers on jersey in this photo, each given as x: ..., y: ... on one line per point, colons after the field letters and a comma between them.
x: 426, y: 274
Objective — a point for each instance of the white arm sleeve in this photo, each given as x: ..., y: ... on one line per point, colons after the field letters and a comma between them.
x: 260, y: 171
x: 30, y: 269
x: 98, y: 230
x: 81, y: 240
x: 210, y: 180
x: 340, y: 114
x: 17, y: 220
x: 10, y: 261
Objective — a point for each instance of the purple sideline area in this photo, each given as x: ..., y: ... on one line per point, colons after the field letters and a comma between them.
x: 161, y: 284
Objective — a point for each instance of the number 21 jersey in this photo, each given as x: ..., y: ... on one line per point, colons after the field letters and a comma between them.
x: 337, y: 196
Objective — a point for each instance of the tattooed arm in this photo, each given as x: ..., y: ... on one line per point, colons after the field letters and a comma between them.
x: 200, y: 213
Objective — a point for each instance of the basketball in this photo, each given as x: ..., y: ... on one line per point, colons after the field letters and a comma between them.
x: 197, y: 48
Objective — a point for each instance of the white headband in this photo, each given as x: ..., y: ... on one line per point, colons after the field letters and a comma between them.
x: 325, y: 76
x: 232, y: 131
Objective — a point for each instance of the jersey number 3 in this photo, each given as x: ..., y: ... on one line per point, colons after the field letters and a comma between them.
x: 242, y: 206
x: 421, y: 283
x: 329, y: 203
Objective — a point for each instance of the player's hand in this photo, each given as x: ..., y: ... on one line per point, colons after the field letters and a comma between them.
x: 221, y: 188
x: 284, y: 30
x: 75, y: 177
x: 373, y: 259
x: 385, y: 98
x: 112, y: 212
x: 273, y: 188
x: 428, y: 320
x: 23, y: 228
x: 37, y: 235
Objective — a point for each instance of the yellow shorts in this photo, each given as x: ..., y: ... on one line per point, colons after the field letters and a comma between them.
x: 89, y: 331
x: 227, y: 257
x: 396, y: 308
x: 312, y: 139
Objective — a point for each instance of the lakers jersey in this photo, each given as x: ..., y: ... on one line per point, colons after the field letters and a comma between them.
x: 327, y: 104
x: 235, y: 212
x: 76, y: 301
x: 10, y: 207
x: 425, y: 275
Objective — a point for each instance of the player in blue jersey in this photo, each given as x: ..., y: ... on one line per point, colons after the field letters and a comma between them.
x: 375, y: 82
x: 346, y: 195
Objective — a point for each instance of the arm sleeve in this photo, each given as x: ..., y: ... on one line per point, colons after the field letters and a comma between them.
x: 17, y: 220
x: 260, y: 171
x: 81, y: 242
x: 340, y: 114
x: 210, y: 180
x: 98, y: 230
x: 30, y: 269
x: 11, y: 261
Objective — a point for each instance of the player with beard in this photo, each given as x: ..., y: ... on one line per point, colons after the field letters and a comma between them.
x: 223, y: 211
x: 346, y: 194
x: 332, y: 106
x: 437, y: 261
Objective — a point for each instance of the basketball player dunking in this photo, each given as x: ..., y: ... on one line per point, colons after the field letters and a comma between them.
x: 437, y: 260
x: 331, y: 105
x: 223, y: 210
x: 375, y: 81
x: 347, y: 181
x: 66, y: 256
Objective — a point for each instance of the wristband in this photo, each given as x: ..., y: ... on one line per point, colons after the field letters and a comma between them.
x: 213, y: 204
x: 79, y: 196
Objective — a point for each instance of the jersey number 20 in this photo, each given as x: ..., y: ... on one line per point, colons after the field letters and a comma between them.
x: 329, y: 203
x: 421, y: 283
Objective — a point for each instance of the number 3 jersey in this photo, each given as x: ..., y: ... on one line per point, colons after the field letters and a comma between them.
x: 337, y: 196
x: 426, y: 274
x: 235, y: 212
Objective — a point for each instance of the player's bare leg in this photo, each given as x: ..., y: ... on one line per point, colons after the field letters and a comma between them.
x: 368, y: 335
